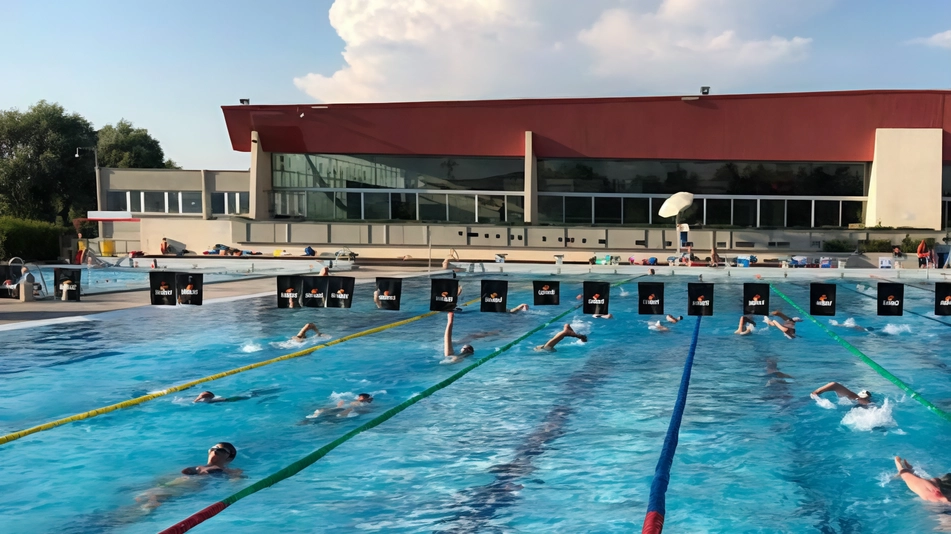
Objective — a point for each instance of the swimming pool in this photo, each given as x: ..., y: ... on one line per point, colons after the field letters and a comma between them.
x: 106, y: 279
x: 530, y: 442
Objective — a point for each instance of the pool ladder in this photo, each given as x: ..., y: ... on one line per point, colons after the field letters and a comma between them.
x: 41, y: 280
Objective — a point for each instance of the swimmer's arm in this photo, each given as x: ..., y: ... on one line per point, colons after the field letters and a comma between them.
x: 925, y: 489
x: 838, y: 388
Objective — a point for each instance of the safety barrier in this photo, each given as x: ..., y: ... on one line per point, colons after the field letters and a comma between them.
x: 657, y: 502
x: 868, y: 361
x: 296, y: 467
x: 145, y: 398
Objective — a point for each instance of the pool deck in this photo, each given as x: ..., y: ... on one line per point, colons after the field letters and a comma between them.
x: 51, y: 311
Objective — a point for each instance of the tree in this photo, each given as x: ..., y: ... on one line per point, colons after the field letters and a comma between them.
x: 40, y: 177
x: 125, y: 147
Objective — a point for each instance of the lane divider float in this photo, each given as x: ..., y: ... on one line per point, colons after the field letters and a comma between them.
x: 181, y: 387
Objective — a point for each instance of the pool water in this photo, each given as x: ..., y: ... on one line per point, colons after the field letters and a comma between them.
x: 530, y: 442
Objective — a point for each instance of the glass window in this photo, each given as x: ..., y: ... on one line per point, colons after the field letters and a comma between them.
x: 376, y: 206
x: 432, y: 207
x: 607, y: 210
x: 718, y: 212
x: 191, y: 202
x: 349, y: 206
x: 404, y: 206
x: 656, y: 204
x: 515, y: 208
x: 946, y: 180
x: 243, y: 202
x: 491, y: 209
x: 551, y: 210
x: 577, y: 210
x: 320, y: 205
x: 637, y: 210
x: 772, y: 213
x: 462, y: 208
x: 290, y: 204
x: 135, y: 201
x: 852, y: 212
x: 827, y: 213
x: 744, y: 213
x: 218, y: 203
x: 116, y: 201
x: 174, y: 202
x: 701, y: 177
x: 155, y: 202
x: 693, y: 215
x: 798, y: 213
x: 397, y: 172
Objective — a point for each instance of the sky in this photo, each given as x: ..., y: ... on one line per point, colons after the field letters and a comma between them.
x: 169, y: 66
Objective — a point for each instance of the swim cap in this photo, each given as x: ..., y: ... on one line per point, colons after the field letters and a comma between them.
x: 864, y: 394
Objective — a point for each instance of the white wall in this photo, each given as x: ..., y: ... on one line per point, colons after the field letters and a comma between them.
x: 905, y: 183
x: 197, y: 235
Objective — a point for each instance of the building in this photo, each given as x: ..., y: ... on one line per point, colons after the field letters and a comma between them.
x: 769, y: 171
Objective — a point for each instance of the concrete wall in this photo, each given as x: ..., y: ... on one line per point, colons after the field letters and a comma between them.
x: 194, y: 233
x: 905, y: 183
x: 150, y: 180
x: 260, y: 179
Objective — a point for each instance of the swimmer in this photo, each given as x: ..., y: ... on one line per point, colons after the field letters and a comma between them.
x: 650, y: 272
x: 862, y: 398
x: 671, y: 319
x: 850, y: 324
x: 324, y: 271
x: 932, y: 489
x: 772, y: 370
x: 602, y: 316
x: 343, y: 409
x: 210, y: 398
x: 746, y: 327
x: 657, y: 327
x: 520, y: 307
x: 787, y: 327
x: 567, y: 331
x: 309, y: 327
x: 376, y: 298
x: 450, y: 353
x: 219, y: 458
x: 447, y: 263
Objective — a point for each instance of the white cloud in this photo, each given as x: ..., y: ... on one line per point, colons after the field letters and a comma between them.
x: 940, y: 40
x: 439, y: 49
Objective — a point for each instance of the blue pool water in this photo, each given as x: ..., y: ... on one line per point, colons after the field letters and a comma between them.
x: 530, y: 442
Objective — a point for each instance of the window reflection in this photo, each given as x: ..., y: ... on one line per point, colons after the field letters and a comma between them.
x: 607, y: 210
x: 432, y: 207
x: 515, y: 208
x: 397, y: 172
x: 551, y: 210
x: 772, y: 213
x: 376, y: 206
x: 577, y: 210
x: 798, y: 213
x: 827, y: 213
x: 462, y: 208
x: 852, y: 212
x: 711, y: 178
x: 744, y: 213
x: 637, y: 210
x: 491, y: 208
x: 718, y: 212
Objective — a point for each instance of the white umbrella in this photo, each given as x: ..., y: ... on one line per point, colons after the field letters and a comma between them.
x: 675, y: 204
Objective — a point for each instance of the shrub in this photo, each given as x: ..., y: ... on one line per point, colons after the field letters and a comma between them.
x: 877, y: 245
x: 910, y: 245
x: 838, y: 245
x: 30, y: 240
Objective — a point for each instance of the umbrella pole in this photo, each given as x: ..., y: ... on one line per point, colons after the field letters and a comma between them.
x: 677, y: 232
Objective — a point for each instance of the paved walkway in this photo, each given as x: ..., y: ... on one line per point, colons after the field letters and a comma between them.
x: 14, y: 311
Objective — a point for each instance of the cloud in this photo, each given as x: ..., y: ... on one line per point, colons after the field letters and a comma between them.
x: 438, y: 50
x: 940, y: 40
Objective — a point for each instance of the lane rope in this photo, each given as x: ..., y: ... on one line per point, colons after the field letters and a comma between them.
x: 868, y: 361
x: 207, y: 513
x: 923, y: 316
x: 151, y: 396
x: 657, y: 502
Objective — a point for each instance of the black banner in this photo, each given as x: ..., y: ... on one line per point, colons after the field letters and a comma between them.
x: 66, y: 284
x: 444, y: 294
x: 755, y: 299
x: 891, y: 298
x: 495, y: 296
x: 822, y: 299
x: 699, y: 299
x: 313, y: 291
x: 650, y: 296
x: 546, y: 293
x: 388, y: 293
x: 6, y: 276
x: 596, y: 298
x: 942, y: 298
x: 189, y: 288
x: 161, y: 288
x: 339, y: 291
x: 289, y: 291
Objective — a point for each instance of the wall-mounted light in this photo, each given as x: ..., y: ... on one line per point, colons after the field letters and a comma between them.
x: 244, y: 101
x: 705, y: 90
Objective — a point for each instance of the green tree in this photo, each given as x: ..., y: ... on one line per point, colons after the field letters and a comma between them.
x: 125, y: 147
x: 40, y: 177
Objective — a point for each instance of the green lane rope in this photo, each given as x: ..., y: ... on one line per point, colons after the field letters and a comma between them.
x: 868, y: 361
x: 296, y: 467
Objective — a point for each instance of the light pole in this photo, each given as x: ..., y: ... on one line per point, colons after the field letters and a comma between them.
x: 95, y: 155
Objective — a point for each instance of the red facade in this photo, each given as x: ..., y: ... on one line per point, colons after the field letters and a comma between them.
x: 834, y: 126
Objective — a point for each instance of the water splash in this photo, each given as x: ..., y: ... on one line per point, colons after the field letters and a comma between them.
x: 896, y: 329
x: 250, y: 346
x: 866, y: 419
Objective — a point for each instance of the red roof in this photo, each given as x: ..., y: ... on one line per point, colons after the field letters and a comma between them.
x: 829, y: 126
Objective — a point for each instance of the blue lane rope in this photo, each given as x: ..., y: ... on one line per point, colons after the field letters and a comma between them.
x: 657, y: 503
